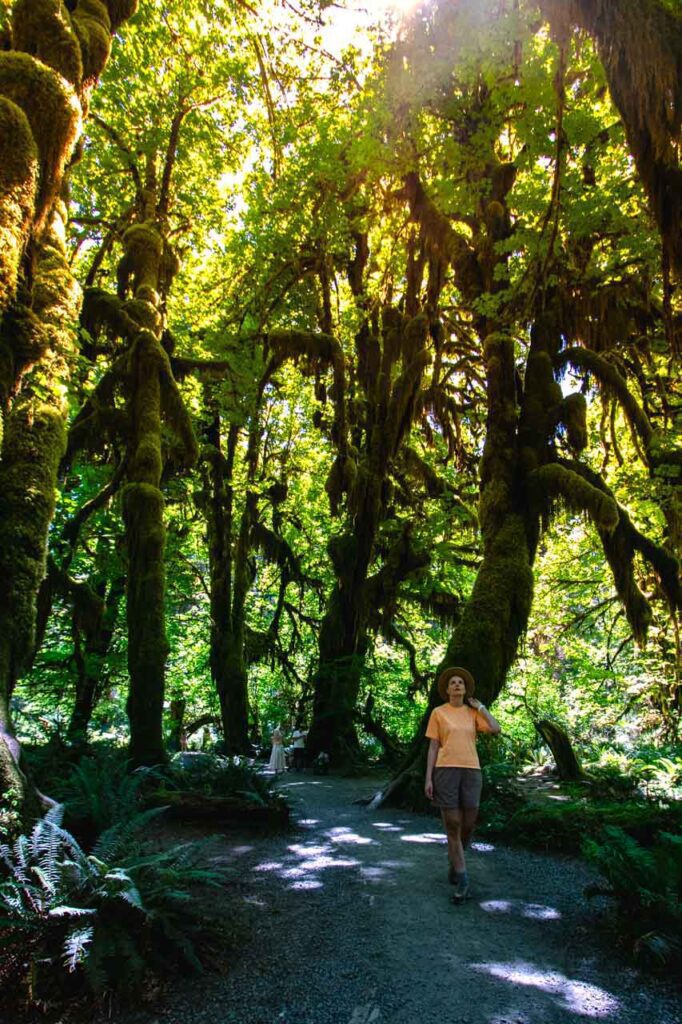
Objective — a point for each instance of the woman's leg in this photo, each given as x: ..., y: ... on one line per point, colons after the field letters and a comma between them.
x: 452, y: 822
x: 469, y: 818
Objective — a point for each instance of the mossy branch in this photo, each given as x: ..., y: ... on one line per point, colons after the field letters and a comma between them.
x: 444, y: 242
x: 276, y: 550
x: 620, y: 546
x: 556, y: 481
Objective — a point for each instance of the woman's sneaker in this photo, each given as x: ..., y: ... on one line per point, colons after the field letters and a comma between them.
x: 461, y: 889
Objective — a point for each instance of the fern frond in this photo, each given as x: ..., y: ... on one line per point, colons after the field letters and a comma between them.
x: 76, y: 947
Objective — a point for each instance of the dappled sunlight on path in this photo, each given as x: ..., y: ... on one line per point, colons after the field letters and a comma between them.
x: 379, y: 924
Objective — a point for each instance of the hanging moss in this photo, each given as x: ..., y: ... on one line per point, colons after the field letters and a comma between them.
x: 421, y: 472
x: 53, y: 113
x: 574, y: 418
x: 619, y: 546
x: 317, y: 349
x: 18, y: 184
x: 402, y: 402
x: 93, y: 28
x: 335, y: 484
x: 556, y: 481
x: 43, y: 28
x: 640, y: 45
x: 175, y: 414
x: 610, y: 378
x: 103, y: 313
x: 442, y: 239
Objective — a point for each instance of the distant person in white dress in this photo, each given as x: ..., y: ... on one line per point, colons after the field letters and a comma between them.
x: 298, y: 737
x: 277, y: 763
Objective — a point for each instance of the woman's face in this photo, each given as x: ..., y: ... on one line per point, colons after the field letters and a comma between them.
x: 456, y: 686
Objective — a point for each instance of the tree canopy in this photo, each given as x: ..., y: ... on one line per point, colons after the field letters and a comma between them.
x: 323, y: 366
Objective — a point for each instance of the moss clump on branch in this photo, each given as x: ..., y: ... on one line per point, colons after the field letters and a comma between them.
x: 143, y: 313
x: 18, y: 184
x: 44, y: 29
x: 612, y: 380
x: 574, y: 418
x: 53, y: 113
x: 93, y: 27
x: 143, y: 246
x: 56, y: 293
x: 120, y: 11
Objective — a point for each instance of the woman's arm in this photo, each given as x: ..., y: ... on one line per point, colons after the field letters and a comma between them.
x: 493, y: 724
x: 434, y: 747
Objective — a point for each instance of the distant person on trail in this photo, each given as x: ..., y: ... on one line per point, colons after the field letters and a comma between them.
x: 453, y: 771
x: 277, y: 761
x: 298, y: 741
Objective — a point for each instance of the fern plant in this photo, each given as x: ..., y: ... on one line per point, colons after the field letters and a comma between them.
x: 647, y: 885
x: 107, y: 918
x: 221, y: 776
x: 101, y: 791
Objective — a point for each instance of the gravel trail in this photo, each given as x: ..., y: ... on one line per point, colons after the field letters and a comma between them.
x: 350, y: 922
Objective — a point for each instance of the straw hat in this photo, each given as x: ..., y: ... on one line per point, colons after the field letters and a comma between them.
x: 447, y: 674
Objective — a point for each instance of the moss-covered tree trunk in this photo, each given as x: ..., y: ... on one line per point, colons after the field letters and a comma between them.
x: 51, y: 60
x: 342, y: 649
x: 559, y: 742
x: 145, y: 541
x: 92, y: 642
x: 229, y: 577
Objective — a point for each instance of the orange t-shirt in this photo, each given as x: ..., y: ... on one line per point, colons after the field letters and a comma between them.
x: 455, y: 729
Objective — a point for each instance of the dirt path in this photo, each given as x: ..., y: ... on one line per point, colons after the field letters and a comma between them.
x: 350, y: 923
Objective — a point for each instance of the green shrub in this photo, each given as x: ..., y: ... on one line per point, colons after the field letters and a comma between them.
x: 100, y: 791
x: 106, y: 919
x: 564, y: 824
x: 647, y: 885
x: 221, y: 777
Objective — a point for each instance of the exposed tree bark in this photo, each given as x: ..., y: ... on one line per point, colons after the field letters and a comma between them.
x: 565, y: 758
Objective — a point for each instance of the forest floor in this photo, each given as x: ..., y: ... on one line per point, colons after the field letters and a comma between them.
x: 347, y: 919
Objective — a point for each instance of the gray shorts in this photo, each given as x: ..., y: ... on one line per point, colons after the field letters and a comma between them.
x: 458, y: 788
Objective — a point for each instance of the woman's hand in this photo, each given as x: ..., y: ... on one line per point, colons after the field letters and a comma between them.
x: 475, y: 704
x: 428, y: 789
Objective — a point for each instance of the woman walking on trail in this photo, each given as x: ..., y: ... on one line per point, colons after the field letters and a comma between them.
x: 453, y: 771
x: 277, y: 762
